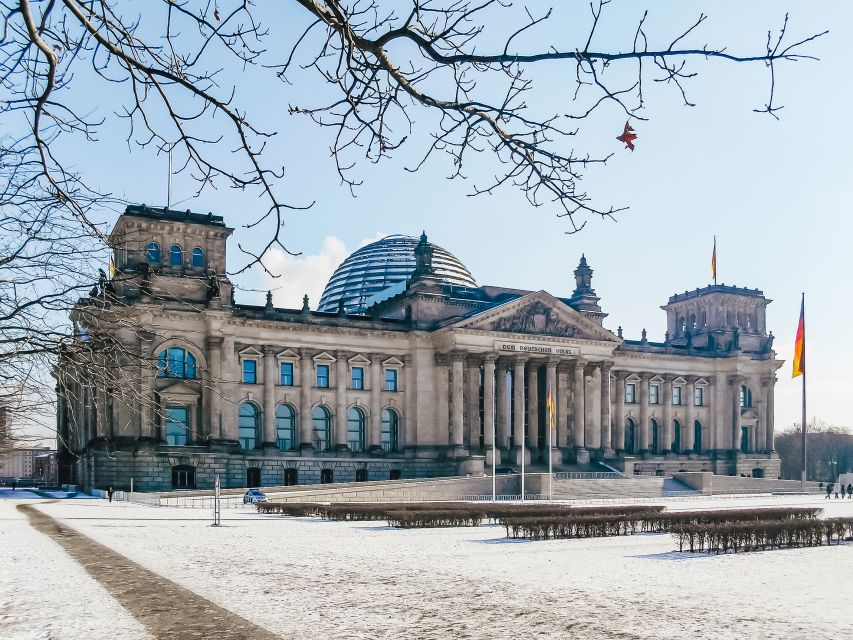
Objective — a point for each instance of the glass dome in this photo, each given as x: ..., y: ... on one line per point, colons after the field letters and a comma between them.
x: 380, y: 265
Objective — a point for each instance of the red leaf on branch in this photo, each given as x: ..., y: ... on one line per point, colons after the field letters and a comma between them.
x: 628, y: 136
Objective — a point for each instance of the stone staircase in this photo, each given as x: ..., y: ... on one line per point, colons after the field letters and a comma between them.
x: 616, y: 488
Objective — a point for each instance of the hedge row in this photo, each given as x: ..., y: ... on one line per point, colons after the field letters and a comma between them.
x: 298, y: 509
x: 577, y: 524
x: 761, y: 535
x: 422, y: 519
x: 586, y: 526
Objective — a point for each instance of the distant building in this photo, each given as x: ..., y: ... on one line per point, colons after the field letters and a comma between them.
x: 35, y: 463
x: 408, y: 370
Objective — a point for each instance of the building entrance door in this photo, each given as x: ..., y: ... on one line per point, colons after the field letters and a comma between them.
x: 744, y: 439
x: 253, y: 477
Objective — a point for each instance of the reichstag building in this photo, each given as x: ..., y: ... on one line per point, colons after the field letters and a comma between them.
x: 408, y: 368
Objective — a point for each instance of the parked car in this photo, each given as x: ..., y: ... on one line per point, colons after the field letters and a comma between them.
x: 254, y: 495
x: 505, y: 471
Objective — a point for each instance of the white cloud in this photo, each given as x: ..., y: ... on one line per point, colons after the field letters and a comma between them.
x: 307, y: 273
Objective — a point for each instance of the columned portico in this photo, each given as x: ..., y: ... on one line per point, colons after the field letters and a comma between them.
x: 552, y: 440
x: 457, y: 406
x: 489, y: 426
x: 606, y: 422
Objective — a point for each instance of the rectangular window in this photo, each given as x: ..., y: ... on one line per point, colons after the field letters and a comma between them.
x: 630, y: 393
x: 654, y: 394
x: 390, y: 379
x: 676, y: 395
x: 358, y: 378
x: 698, y: 400
x: 177, y: 425
x: 322, y: 376
x: 250, y: 371
x: 287, y: 374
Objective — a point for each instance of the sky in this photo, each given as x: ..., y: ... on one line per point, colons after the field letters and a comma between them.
x: 775, y: 193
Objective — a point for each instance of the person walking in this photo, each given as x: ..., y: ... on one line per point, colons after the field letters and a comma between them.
x: 836, y: 492
x: 828, y: 491
x: 850, y: 490
x: 110, y: 493
x: 843, y: 490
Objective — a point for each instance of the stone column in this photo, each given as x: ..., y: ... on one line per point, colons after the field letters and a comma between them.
x: 502, y: 406
x: 552, y: 439
x: 230, y: 379
x: 619, y: 427
x: 581, y: 453
x: 719, y: 429
x: 689, y: 417
x: 668, y: 428
x: 734, y: 411
x: 213, y: 392
x: 341, y: 384
x: 306, y: 383
x: 770, y: 435
x: 532, y: 434
x: 606, y: 445
x: 457, y: 407
x: 592, y: 410
x: 489, y: 407
x: 644, y: 414
x: 472, y: 405
x: 518, y: 409
x: 269, y: 397
x: 147, y: 411
x: 375, y: 419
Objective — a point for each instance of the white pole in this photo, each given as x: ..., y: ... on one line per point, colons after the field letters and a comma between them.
x: 494, y: 451
x: 131, y: 487
x: 523, y: 445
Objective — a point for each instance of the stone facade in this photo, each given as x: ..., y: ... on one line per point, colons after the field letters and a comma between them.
x: 421, y: 385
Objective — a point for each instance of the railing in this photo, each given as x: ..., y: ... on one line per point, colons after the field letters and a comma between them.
x: 586, y: 475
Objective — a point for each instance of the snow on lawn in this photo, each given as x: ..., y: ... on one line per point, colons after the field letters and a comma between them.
x: 299, y: 576
x: 44, y: 594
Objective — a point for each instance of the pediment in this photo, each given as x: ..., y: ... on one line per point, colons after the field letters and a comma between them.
x: 701, y: 382
x: 359, y: 359
x: 633, y: 378
x: 179, y: 390
x: 250, y: 352
x: 324, y: 357
x: 392, y: 362
x: 541, y: 314
x: 287, y: 354
x: 679, y: 380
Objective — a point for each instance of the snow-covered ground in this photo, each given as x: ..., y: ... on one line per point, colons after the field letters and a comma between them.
x: 299, y: 577
x: 46, y: 595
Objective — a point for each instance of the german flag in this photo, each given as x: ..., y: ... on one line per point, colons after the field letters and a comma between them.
x: 549, y: 403
x: 714, y: 261
x: 800, y: 344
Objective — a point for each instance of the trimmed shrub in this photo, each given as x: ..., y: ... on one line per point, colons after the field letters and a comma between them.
x: 297, y: 509
x: 421, y: 518
x: 760, y: 535
x: 586, y: 526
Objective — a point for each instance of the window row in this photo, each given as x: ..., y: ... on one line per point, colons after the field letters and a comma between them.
x: 184, y: 476
x: 656, y: 436
x: 322, y: 378
x: 249, y: 428
x: 655, y: 395
x: 176, y: 255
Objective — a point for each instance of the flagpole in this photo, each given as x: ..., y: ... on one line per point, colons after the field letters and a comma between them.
x: 494, y: 445
x: 803, y: 361
x: 523, y: 445
x: 550, y: 445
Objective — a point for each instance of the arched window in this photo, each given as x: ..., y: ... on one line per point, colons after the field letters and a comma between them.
x: 198, y: 257
x: 355, y: 429
x: 285, y: 426
x: 697, y: 437
x: 745, y: 396
x: 630, y: 436
x: 321, y: 420
x: 248, y: 423
x: 676, y: 436
x: 655, y: 438
x: 176, y: 362
x: 177, y: 425
x: 153, y: 253
x: 176, y: 255
x: 388, y: 434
